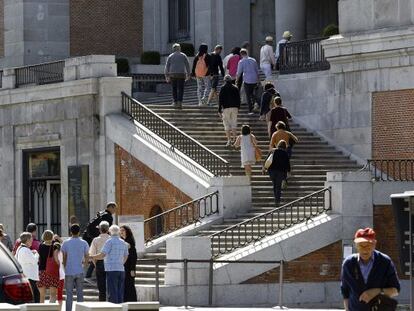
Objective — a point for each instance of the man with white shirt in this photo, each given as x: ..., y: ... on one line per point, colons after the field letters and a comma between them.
x: 96, y: 248
x: 267, y: 58
x: 29, y: 259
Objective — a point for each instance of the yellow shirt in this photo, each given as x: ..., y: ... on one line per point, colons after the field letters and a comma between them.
x: 282, y: 135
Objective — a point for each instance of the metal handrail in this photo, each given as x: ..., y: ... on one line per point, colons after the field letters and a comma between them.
x: 269, y: 228
x: 186, y: 214
x: 40, y: 74
x: 302, y: 56
x: 391, y: 169
x: 1, y: 79
x: 174, y: 136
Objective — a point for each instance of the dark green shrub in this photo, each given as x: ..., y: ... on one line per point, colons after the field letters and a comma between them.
x: 187, y: 49
x: 122, y: 66
x: 150, y: 58
x: 330, y: 30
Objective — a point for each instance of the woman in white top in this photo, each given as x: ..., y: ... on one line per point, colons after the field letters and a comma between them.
x: 247, y: 142
x: 29, y: 259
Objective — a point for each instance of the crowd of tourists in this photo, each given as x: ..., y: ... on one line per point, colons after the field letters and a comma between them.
x: 241, y: 77
x: 54, y: 264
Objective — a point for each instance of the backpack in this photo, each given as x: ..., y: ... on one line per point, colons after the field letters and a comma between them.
x: 201, y: 68
x: 92, y: 230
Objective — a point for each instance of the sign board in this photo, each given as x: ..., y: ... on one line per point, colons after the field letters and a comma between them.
x: 78, y: 194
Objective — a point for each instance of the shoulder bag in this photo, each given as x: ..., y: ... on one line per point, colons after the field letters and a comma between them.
x: 257, y: 152
x: 269, y: 160
x: 383, y: 303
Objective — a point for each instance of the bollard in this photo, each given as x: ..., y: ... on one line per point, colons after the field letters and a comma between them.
x: 157, y: 280
x: 210, y: 283
x: 186, y: 283
x: 281, y: 285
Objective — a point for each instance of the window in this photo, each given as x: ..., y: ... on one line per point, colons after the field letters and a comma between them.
x: 179, y: 19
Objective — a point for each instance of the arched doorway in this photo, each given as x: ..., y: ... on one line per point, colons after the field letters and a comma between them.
x: 156, y: 226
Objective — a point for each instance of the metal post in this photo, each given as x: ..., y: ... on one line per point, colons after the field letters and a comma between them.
x: 410, y: 226
x: 157, y: 279
x: 210, y: 283
x: 186, y: 283
x: 280, y: 304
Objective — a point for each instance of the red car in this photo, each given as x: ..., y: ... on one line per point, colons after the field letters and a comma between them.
x: 14, y: 286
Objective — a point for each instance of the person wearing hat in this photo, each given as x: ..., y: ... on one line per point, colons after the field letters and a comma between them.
x: 177, y: 71
x: 367, y: 274
x: 229, y: 104
x: 267, y: 58
x: 287, y: 36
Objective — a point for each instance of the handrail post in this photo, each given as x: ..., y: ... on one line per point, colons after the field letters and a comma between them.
x: 186, y: 283
x: 157, y: 279
x: 210, y: 283
x: 280, y: 304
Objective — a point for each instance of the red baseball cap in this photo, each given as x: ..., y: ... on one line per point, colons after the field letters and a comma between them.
x: 365, y: 235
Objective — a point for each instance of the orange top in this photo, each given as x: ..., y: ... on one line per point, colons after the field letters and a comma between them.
x: 281, y: 135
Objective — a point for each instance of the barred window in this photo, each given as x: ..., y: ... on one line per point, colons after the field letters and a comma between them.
x: 179, y: 19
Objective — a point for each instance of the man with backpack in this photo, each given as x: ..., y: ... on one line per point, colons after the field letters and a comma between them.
x: 201, y: 72
x: 92, y: 229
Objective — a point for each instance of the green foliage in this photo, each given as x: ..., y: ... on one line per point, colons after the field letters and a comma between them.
x: 150, y: 58
x: 187, y: 49
x: 122, y: 65
x: 330, y: 30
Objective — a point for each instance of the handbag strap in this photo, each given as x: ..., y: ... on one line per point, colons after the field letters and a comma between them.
x: 253, y: 143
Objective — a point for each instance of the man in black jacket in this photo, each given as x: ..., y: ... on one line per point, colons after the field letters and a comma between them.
x: 229, y: 104
x: 216, y: 64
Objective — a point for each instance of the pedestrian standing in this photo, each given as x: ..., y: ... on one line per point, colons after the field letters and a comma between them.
x: 201, y: 72
x: 280, y: 48
x: 47, y: 280
x: 233, y: 63
x: 216, y: 65
x: 130, y: 293
x: 29, y: 260
x: 267, y: 58
x: 92, y: 230
x: 5, y: 239
x: 278, y: 113
x: 279, y: 169
x: 75, y: 256
x: 115, y: 254
x: 32, y: 228
x: 247, y: 142
x: 282, y: 134
x: 247, y: 68
x: 229, y: 105
x: 368, y: 275
x: 57, y: 246
x: 96, y: 248
x: 177, y: 71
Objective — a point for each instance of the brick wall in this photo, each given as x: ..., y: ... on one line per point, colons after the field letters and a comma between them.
x: 324, y: 265
x: 106, y: 27
x: 392, y: 124
x: 139, y: 189
x: 1, y: 28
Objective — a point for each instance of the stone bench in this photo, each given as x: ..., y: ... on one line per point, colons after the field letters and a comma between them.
x: 40, y: 307
x: 142, y: 305
x: 98, y: 306
x: 8, y: 307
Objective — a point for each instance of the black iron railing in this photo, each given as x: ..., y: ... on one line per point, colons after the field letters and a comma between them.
x: 40, y: 74
x: 175, y: 137
x: 1, y: 79
x: 181, y: 216
x: 146, y: 82
x: 302, y: 56
x: 391, y: 169
x: 269, y: 223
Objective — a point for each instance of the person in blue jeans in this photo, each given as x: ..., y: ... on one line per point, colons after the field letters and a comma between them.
x: 114, y: 253
x: 75, y: 255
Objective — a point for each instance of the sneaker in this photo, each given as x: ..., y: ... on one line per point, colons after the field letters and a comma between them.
x: 202, y: 103
x: 251, y: 113
x: 228, y: 143
x: 256, y: 107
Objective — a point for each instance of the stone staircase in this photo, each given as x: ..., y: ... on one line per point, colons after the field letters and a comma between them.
x: 312, y: 158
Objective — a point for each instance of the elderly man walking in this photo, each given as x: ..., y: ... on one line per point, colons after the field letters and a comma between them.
x: 368, y: 274
x: 114, y: 253
x: 267, y: 58
x: 177, y: 71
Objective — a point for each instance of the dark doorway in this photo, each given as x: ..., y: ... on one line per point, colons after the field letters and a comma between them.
x: 157, y: 227
x: 41, y: 189
x: 319, y: 14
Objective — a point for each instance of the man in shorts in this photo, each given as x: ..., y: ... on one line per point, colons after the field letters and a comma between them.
x: 229, y: 104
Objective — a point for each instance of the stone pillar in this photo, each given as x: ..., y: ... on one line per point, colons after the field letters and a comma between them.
x: 9, y: 79
x: 91, y: 66
x: 235, y: 194
x: 188, y: 248
x: 352, y: 198
x: 291, y: 15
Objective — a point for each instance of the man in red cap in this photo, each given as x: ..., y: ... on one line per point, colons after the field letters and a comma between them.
x: 367, y: 273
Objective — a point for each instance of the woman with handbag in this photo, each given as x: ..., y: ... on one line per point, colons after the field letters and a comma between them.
x: 249, y: 150
x: 278, y: 168
x: 48, y: 267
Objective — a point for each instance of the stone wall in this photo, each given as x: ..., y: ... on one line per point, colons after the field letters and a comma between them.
x: 139, y: 189
x: 392, y: 124
x: 1, y: 28
x: 106, y: 27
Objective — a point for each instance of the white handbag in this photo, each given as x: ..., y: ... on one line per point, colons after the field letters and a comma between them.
x: 269, y: 160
